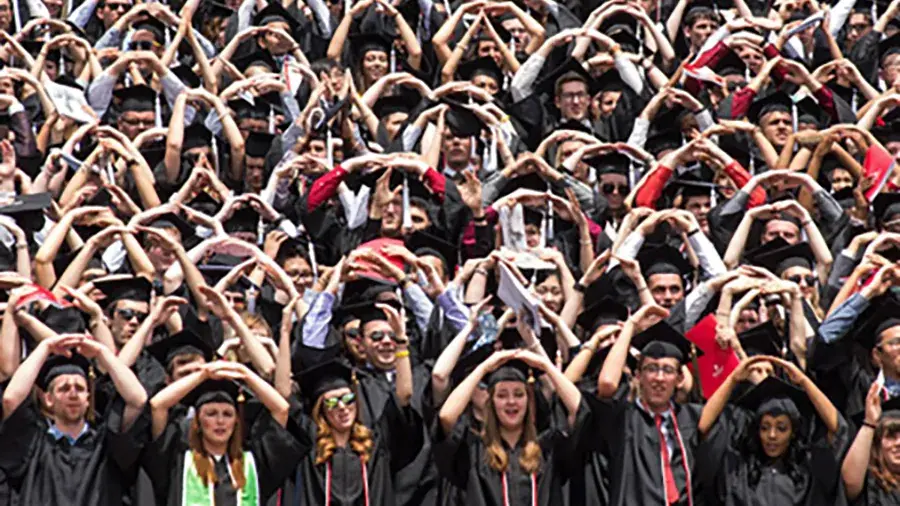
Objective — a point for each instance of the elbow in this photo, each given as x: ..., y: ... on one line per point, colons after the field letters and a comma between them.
x: 9, y: 405
x: 414, y: 53
x: 606, y: 388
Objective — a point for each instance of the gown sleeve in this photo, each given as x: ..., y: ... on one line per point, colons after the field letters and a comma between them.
x: 276, y: 452
x: 160, y: 455
x: 124, y: 446
x: 401, y: 429
x: 452, y: 453
x: 18, y: 433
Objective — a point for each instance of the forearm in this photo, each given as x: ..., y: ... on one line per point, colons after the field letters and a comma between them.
x: 714, y: 406
x: 403, y: 385
x: 738, y: 242
x: 336, y: 46
x: 127, y: 384
x: 138, y: 257
x: 459, y: 399
x: 19, y: 387
x: 842, y: 318
x: 269, y: 397
x: 259, y: 356
x: 522, y: 82
x: 856, y: 463
x: 10, y: 344
x: 446, y: 362
x: 613, y: 366
x: 567, y: 392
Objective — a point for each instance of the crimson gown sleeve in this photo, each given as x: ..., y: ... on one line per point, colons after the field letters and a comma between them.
x: 706, y: 59
x: 436, y: 182
x: 740, y: 102
x: 325, y: 187
x: 652, y: 189
x: 740, y: 176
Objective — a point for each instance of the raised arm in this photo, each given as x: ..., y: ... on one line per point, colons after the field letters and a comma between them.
x: 856, y: 463
x: 168, y: 397
x: 459, y: 398
x: 127, y: 384
x: 611, y: 373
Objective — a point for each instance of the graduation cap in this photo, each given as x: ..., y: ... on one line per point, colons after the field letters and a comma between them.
x: 187, y: 76
x: 325, y: 377
x: 58, y: 365
x: 752, y: 256
x: 693, y: 187
x: 513, y: 370
x: 62, y: 319
x: 417, y: 188
x: 778, y: 101
x: 423, y: 243
x: 258, y: 144
x: 889, y: 132
x: 480, y: 66
x: 781, y: 259
x: 773, y: 396
x: 28, y: 210
x: 136, y: 98
x: 244, y: 219
x: 369, y: 312
x: 152, y: 25
x: 570, y: 67
x: 617, y: 22
x: 627, y: 39
x: 532, y: 181
x: 664, y: 139
x: 390, y: 104
x: 699, y: 6
x: 737, y: 149
x: 662, y: 259
x: 71, y: 82
x: 185, y: 342
x: 218, y: 267
x: 469, y: 361
x: 663, y: 341
x: 362, y: 43
x: 274, y: 12
x: 886, y: 207
x: 882, y: 314
x: 205, y: 203
x: 763, y: 339
x: 216, y: 9
x: 258, y: 58
x: 809, y: 111
x: 136, y: 288
x: 603, y: 311
x: 196, y: 136
x: 731, y: 64
x: 610, y: 80
x: 225, y: 391
x: 172, y: 220
x: 462, y: 122
x: 888, y: 46
x: 364, y: 290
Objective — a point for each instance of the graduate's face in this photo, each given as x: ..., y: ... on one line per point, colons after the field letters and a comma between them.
x: 893, y: 148
x: 890, y: 449
x: 486, y: 83
x: 126, y: 318
x: 183, y: 365
x: 54, y: 6
x: 375, y: 65
x: 254, y: 168
x: 393, y: 122
x: 456, y: 150
x: 532, y: 235
x: 340, y: 417
x: 567, y: 149
x: 777, y: 126
x: 746, y: 321
x: 5, y: 15
x: 68, y: 398
x: 551, y: 294
x: 666, y: 289
x: 841, y: 179
x: 607, y: 102
x: 658, y: 379
x: 300, y: 273
x: 858, y: 25
x: 699, y: 206
x: 775, y: 435
x: 803, y: 277
x: 160, y: 255
x: 489, y: 49
x: 726, y: 185
x: 510, y: 399
x: 572, y: 99
x: 518, y: 32
x: 420, y: 219
x: 353, y: 342
x: 760, y: 371
x: 699, y: 31
x: 380, y: 353
x: 887, y: 353
x: 275, y: 44
x: 217, y: 421
x: 890, y: 68
x: 615, y: 188
x: 781, y: 228
x: 133, y: 123
x: 392, y: 215
x: 110, y: 11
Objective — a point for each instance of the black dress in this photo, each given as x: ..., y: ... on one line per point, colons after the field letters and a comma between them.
x: 874, y: 495
x: 815, y: 480
x: 96, y: 470
x: 461, y: 459
x: 274, y: 450
x: 396, y: 440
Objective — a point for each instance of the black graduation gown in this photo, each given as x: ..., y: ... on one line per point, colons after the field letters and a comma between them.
x: 728, y: 469
x: 630, y: 443
x: 395, y: 442
x: 274, y: 450
x: 97, y: 470
x: 461, y: 460
x: 874, y: 495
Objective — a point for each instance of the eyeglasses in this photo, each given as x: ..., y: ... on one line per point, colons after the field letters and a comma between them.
x: 609, y: 188
x: 345, y: 400
x: 128, y: 314
x: 352, y: 333
x: 892, y: 344
x: 809, y: 278
x: 859, y: 27
x: 654, y: 369
x: 143, y: 45
x: 581, y: 95
x: 379, y: 335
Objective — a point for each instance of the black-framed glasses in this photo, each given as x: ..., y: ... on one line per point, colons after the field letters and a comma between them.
x: 667, y: 370
x: 345, y: 400
x: 142, y: 45
x: 609, y: 188
x: 809, y: 278
x: 128, y: 314
x: 379, y: 335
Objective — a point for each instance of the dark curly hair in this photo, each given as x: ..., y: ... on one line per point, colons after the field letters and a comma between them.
x: 796, y: 458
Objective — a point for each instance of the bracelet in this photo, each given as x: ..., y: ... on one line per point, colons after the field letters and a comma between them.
x: 805, y: 223
x: 641, y: 289
x: 869, y: 424
x: 692, y: 232
x: 579, y: 287
x: 481, y: 270
x: 405, y: 280
x: 402, y: 354
x: 481, y: 218
x: 535, y: 345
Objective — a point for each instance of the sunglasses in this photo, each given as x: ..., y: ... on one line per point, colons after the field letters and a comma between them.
x: 378, y: 335
x: 352, y: 333
x: 809, y: 278
x: 116, y: 7
x: 343, y: 400
x: 610, y: 187
x: 142, y: 45
x: 128, y: 314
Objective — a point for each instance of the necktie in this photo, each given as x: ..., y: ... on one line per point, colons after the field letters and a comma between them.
x: 671, y: 487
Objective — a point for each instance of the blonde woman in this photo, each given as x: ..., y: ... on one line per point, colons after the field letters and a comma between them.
x: 509, y: 464
x: 210, y: 464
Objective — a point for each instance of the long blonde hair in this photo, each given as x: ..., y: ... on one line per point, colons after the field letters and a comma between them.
x: 885, y: 479
x: 360, y: 436
x: 202, y: 461
x: 497, y: 458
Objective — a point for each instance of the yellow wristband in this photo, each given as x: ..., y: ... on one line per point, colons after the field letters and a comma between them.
x: 402, y: 354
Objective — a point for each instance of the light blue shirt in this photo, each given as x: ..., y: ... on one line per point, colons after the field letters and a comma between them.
x: 841, y: 320
x: 58, y: 434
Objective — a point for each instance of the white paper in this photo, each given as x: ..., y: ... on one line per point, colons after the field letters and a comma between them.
x: 69, y: 102
x: 813, y: 20
x: 518, y: 298
x: 512, y: 224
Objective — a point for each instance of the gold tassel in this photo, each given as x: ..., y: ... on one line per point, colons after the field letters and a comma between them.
x: 92, y: 389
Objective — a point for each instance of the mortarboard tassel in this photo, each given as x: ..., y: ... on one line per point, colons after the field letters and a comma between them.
x: 92, y: 389
x: 407, y: 216
x: 17, y: 15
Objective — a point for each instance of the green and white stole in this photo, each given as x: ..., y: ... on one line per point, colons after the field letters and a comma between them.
x: 195, y: 493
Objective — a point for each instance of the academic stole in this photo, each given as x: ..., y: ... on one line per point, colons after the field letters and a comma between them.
x: 534, y: 491
x: 195, y: 493
x: 684, y: 461
x: 365, y: 482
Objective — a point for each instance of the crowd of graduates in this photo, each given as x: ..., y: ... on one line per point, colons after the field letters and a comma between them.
x: 447, y: 253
